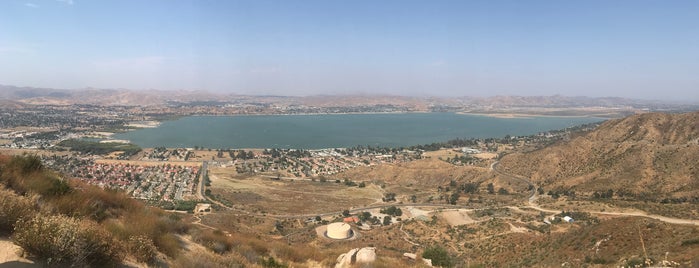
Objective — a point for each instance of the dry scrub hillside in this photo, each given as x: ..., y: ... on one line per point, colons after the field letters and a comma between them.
x: 651, y: 155
x: 425, y: 172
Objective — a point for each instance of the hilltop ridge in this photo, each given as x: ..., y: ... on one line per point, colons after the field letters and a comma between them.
x: 648, y: 156
x: 496, y: 105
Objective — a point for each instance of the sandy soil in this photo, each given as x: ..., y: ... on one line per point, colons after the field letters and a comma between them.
x: 443, y: 153
x: 456, y: 217
x: 286, y: 197
x: 516, y: 229
x: 9, y: 255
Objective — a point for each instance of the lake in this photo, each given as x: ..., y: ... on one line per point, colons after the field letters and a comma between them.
x: 337, y: 130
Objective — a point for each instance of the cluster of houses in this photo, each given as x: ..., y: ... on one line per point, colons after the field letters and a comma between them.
x: 162, y: 182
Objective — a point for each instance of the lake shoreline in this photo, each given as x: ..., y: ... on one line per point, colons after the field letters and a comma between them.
x: 318, y: 131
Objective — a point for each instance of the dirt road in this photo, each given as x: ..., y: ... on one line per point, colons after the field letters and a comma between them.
x: 533, y: 205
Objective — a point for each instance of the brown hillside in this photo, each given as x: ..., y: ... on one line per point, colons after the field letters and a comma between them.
x: 424, y: 172
x: 653, y: 155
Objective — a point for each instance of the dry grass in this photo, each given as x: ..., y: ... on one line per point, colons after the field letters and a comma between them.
x: 62, y: 240
x: 648, y: 157
x: 122, y: 216
x: 289, y: 197
x: 13, y: 208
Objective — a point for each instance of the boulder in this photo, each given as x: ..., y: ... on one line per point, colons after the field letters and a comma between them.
x: 356, y: 256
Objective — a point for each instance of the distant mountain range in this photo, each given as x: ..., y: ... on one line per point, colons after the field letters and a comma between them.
x: 519, y: 104
x: 649, y: 156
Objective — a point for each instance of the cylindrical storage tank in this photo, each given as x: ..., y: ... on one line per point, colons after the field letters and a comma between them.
x: 339, y: 230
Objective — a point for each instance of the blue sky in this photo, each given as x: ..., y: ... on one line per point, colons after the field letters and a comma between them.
x: 639, y: 49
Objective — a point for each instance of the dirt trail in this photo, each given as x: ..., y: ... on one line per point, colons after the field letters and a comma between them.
x: 534, y: 196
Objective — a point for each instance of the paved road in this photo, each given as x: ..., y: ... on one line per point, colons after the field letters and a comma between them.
x: 202, y: 177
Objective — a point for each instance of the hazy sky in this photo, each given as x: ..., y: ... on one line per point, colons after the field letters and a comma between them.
x: 641, y: 49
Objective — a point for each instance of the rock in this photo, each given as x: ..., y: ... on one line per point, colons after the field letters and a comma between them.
x: 356, y: 256
x: 411, y: 256
x: 366, y: 255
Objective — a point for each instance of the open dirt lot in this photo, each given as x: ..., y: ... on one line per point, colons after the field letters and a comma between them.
x: 285, y: 196
x: 456, y: 217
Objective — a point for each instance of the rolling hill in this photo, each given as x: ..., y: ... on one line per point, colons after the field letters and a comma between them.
x: 649, y: 156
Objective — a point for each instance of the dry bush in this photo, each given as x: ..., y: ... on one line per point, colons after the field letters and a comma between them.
x: 123, y: 216
x: 250, y: 242
x: 215, y: 241
x: 96, y: 203
x: 25, y: 174
x: 151, y: 223
x: 12, y: 208
x: 155, y: 224
x: 295, y: 253
x: 206, y: 260
x: 142, y: 248
x: 168, y: 244
x: 63, y: 240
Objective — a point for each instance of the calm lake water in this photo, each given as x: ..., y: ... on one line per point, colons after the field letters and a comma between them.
x: 337, y: 130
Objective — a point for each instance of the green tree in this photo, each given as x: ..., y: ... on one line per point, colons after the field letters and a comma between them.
x: 439, y: 256
x: 470, y: 188
x: 386, y: 220
x: 364, y: 216
x: 453, y: 198
x: 491, y: 188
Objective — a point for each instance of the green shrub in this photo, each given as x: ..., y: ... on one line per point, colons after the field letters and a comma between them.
x: 63, y: 240
x: 693, y: 241
x: 438, y: 255
x: 272, y: 263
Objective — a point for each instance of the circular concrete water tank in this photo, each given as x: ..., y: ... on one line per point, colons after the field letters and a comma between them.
x: 339, y: 230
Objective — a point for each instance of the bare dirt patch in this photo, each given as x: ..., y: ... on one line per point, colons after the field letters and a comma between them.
x: 486, y: 155
x: 456, y: 217
x: 288, y: 197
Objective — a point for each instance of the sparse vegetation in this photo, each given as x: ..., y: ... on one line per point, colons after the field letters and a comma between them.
x: 497, y: 230
x: 62, y: 240
x: 438, y: 255
x: 97, y: 148
x: 688, y: 242
x: 80, y: 223
x: 13, y: 208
